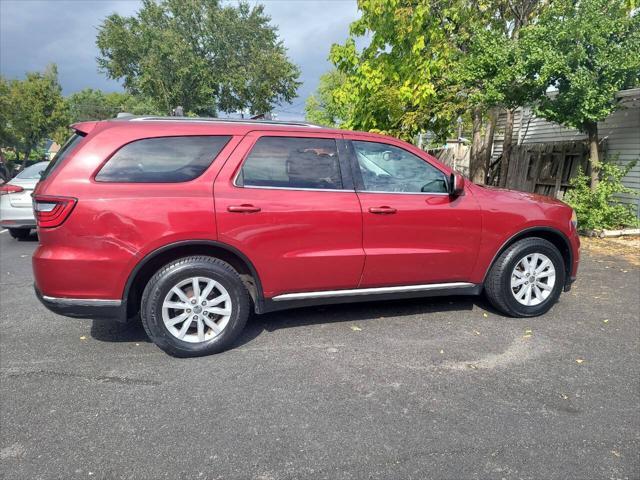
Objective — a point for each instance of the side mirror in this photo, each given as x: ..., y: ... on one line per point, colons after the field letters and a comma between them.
x: 456, y: 185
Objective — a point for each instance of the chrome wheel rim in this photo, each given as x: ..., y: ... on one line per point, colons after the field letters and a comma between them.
x: 196, y: 309
x: 532, y: 279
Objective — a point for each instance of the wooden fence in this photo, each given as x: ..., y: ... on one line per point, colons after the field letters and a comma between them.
x: 545, y: 168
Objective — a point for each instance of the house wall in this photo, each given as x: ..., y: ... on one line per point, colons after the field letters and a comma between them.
x: 621, y: 131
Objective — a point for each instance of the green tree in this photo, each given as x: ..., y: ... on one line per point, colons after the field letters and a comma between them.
x: 494, y: 71
x: 321, y: 107
x: 429, y: 63
x: 586, y: 51
x: 33, y: 110
x: 393, y: 85
x: 90, y: 104
x: 205, y: 56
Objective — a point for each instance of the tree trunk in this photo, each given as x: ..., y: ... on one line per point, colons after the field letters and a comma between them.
x: 594, y: 160
x: 26, y: 158
x: 476, y: 172
x: 487, y: 146
x: 506, y: 148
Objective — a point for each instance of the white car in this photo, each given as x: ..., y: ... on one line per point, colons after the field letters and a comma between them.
x: 16, y: 208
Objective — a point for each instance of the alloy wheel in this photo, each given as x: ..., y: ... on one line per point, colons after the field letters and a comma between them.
x: 533, y: 279
x: 196, y: 309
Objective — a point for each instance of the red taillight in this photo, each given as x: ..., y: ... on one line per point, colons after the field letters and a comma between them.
x: 7, y: 189
x: 52, y: 211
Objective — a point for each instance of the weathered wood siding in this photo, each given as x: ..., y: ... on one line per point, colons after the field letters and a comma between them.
x: 621, y: 131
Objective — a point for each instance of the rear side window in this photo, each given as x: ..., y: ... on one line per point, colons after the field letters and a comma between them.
x: 66, y: 150
x: 163, y: 159
x: 290, y: 162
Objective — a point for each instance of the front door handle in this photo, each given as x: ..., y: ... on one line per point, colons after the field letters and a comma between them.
x: 383, y: 210
x: 244, y: 208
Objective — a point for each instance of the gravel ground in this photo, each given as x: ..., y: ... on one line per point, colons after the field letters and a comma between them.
x: 434, y: 388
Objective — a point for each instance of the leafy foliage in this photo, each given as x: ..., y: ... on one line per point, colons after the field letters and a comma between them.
x: 429, y: 63
x: 598, y: 209
x: 204, y: 56
x: 393, y: 84
x: 321, y: 107
x: 90, y: 104
x: 33, y: 109
x: 587, y: 51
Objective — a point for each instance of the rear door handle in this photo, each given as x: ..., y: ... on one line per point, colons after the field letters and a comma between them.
x: 383, y: 210
x: 244, y: 208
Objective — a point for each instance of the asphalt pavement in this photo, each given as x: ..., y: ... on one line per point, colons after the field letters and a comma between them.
x: 422, y: 389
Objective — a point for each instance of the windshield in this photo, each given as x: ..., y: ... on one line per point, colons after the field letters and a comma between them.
x: 66, y: 149
x: 33, y: 171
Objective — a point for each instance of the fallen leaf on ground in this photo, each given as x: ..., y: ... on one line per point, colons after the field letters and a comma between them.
x: 83, y: 337
x: 564, y: 397
x: 579, y: 360
x: 356, y: 329
x: 476, y: 332
x: 617, y: 454
x: 472, y: 366
x: 606, y: 320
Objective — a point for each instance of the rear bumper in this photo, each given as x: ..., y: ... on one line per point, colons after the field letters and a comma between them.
x: 28, y: 223
x: 85, y: 307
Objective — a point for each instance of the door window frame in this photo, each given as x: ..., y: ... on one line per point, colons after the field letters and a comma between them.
x: 344, y: 165
x: 357, y: 174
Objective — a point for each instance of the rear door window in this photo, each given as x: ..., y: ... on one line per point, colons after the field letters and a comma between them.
x: 162, y: 159
x: 292, y: 162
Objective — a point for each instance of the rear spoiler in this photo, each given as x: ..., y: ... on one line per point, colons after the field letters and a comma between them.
x: 84, y: 127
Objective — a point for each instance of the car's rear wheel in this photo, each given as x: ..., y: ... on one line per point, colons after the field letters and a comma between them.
x: 195, y: 306
x: 526, y: 279
x: 19, y: 233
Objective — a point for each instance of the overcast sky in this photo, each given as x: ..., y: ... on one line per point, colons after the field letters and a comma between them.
x: 34, y: 33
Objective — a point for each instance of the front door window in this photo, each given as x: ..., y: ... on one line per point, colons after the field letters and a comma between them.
x: 386, y: 168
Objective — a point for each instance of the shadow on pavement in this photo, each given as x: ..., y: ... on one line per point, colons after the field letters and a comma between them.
x: 111, y: 331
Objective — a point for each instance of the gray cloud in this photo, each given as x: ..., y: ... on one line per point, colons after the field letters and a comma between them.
x: 35, y: 33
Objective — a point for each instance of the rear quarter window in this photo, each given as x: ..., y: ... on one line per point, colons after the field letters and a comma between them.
x: 162, y: 159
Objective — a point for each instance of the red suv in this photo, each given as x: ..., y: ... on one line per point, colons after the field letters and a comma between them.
x: 194, y: 223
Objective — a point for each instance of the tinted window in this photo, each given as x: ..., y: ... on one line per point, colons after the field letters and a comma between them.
x: 386, y: 168
x: 162, y: 160
x: 292, y: 163
x: 66, y: 149
x: 33, y: 172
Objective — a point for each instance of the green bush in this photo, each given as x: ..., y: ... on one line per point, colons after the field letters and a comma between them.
x: 598, y: 210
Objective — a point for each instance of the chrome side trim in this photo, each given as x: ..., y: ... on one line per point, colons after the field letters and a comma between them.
x: 405, y: 193
x: 261, y: 187
x: 371, y: 291
x: 89, y: 302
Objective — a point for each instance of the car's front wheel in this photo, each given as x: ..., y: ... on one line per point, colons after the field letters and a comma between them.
x: 526, y: 279
x: 195, y: 306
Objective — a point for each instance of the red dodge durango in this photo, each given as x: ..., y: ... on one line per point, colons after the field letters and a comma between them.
x: 194, y: 223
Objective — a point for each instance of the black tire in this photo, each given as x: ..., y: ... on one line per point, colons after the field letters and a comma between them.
x: 20, y: 233
x: 171, y: 275
x: 498, y: 281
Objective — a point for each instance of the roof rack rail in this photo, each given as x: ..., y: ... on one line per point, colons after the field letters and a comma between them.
x: 142, y: 118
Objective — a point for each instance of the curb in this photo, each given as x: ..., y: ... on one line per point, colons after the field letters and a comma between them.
x: 625, y: 232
